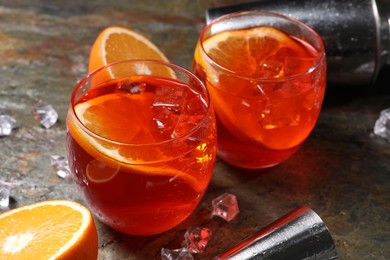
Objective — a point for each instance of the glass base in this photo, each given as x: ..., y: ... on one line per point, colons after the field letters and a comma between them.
x: 247, y: 157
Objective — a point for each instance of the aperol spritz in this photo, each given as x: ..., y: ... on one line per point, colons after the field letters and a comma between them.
x: 141, y: 144
x: 266, y: 76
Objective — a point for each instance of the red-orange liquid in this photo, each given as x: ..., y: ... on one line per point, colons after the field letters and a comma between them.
x: 154, y: 196
x: 262, y: 123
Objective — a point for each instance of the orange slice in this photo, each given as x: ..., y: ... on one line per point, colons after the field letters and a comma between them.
x: 57, y: 229
x: 103, y: 115
x: 251, y: 52
x: 116, y: 43
x: 99, y: 172
x: 255, y: 53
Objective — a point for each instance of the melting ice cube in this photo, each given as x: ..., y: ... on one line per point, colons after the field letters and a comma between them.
x: 225, y: 206
x: 60, y: 164
x: 4, y: 195
x: 176, y: 254
x: 382, y: 124
x: 197, y: 238
x: 45, y: 114
x: 7, y: 123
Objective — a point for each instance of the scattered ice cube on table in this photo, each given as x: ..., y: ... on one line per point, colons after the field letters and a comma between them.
x: 45, y: 114
x: 7, y: 123
x: 176, y: 254
x: 382, y: 124
x: 4, y: 195
x: 197, y: 238
x: 225, y: 206
x: 60, y: 164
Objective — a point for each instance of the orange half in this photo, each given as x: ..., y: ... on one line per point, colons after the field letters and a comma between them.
x: 57, y: 229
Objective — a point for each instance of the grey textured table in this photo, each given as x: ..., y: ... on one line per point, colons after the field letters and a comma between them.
x: 342, y: 171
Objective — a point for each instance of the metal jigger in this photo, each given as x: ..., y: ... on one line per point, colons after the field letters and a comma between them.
x: 356, y: 33
x: 301, y: 234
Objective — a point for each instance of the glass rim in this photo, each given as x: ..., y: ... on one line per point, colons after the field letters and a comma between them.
x: 91, y: 133
x: 262, y: 79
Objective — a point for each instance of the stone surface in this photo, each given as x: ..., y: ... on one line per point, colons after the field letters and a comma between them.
x: 342, y: 171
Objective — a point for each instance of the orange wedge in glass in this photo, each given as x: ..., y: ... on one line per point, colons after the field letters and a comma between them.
x: 246, y: 52
x: 57, y: 229
x: 109, y: 117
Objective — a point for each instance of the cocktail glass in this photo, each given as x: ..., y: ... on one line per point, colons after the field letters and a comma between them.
x: 141, y: 144
x: 266, y: 75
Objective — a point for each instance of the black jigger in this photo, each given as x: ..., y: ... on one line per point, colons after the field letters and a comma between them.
x: 356, y: 33
x: 301, y: 234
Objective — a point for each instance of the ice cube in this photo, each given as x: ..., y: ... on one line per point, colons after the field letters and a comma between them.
x: 196, y: 239
x: 131, y: 87
x: 271, y: 69
x: 7, y: 123
x: 185, y: 124
x: 176, y: 254
x: 171, y: 97
x: 165, y: 119
x: 382, y: 124
x: 194, y: 110
x: 298, y: 65
x: 45, y: 114
x: 167, y: 107
x: 279, y: 113
x: 225, y: 206
x: 195, y: 104
x: 4, y: 195
x: 61, y: 165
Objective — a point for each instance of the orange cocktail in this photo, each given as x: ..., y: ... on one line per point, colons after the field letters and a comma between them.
x: 266, y: 76
x: 141, y: 144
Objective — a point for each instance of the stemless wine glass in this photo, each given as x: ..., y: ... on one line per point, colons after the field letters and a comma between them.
x: 141, y: 144
x: 266, y: 75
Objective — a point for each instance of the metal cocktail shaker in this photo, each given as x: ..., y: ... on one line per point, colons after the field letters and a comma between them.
x: 356, y: 33
x: 299, y: 235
